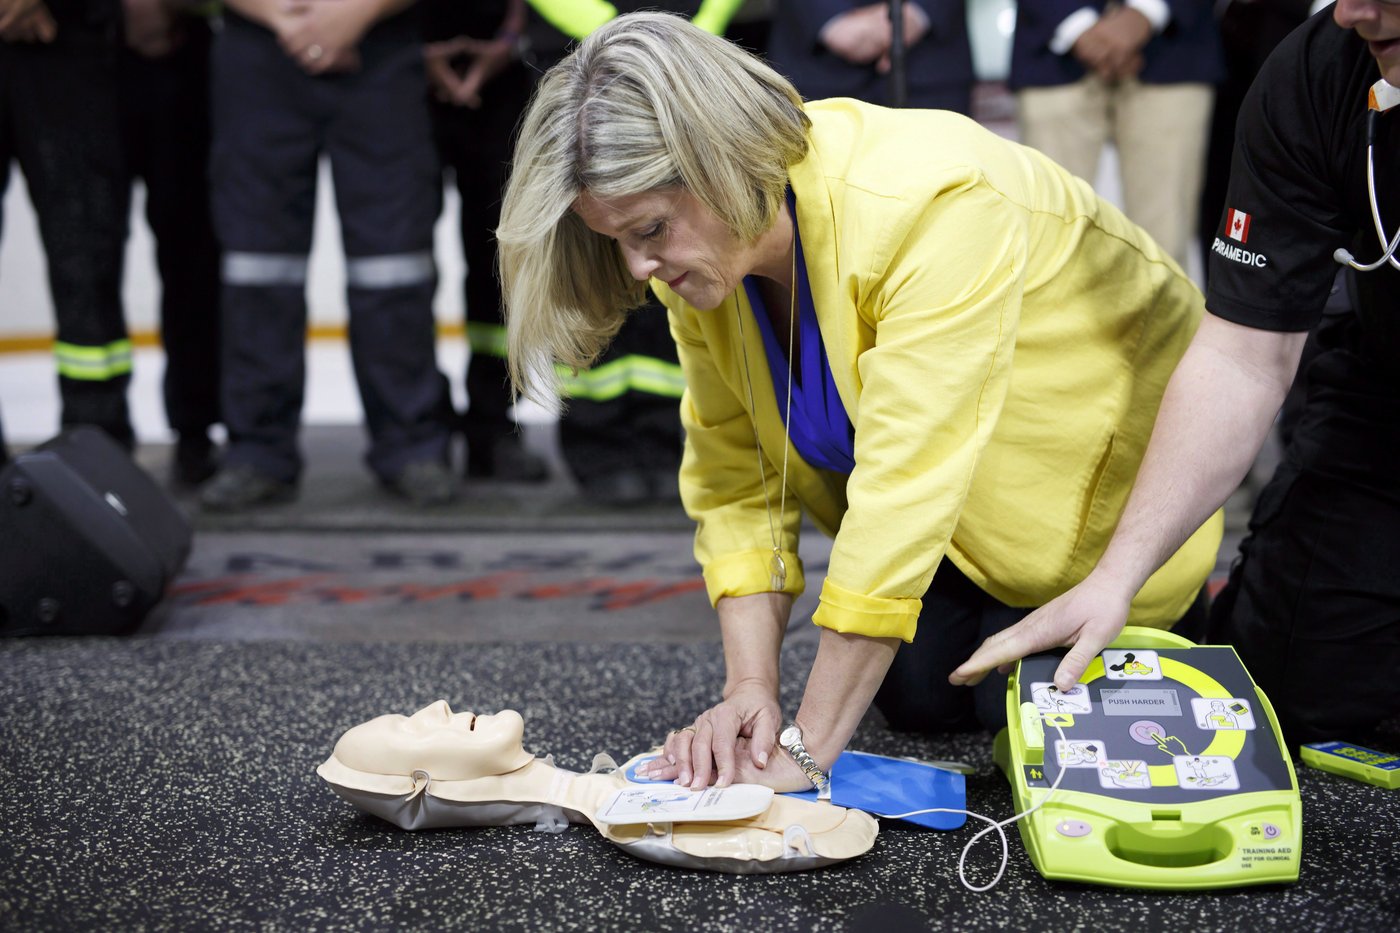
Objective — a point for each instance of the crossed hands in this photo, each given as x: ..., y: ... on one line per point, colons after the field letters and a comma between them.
x: 1085, y: 618
x: 461, y: 86
x: 1112, y: 47
x: 26, y: 21
x: 322, y: 36
x: 865, y: 34
x: 732, y: 742
x: 152, y: 27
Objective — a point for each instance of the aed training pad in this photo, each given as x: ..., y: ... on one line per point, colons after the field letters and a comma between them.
x: 1175, y: 774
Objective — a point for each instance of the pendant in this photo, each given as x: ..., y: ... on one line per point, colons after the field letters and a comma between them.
x: 778, y: 568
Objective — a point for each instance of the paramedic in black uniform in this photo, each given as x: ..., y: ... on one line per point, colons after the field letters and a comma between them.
x: 1313, y: 602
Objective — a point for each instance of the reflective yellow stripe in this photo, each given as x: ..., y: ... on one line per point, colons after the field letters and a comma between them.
x: 487, y: 339
x: 625, y: 374
x: 93, y: 364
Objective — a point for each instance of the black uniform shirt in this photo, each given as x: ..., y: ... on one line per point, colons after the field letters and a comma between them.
x: 1298, y: 192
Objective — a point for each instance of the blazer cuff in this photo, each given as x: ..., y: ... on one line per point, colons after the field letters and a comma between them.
x: 843, y: 610
x: 1071, y: 28
x: 744, y: 573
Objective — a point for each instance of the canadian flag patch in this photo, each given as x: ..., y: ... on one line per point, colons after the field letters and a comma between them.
x: 1237, y: 226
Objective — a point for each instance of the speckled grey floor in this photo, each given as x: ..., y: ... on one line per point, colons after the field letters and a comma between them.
x: 166, y: 781
x: 169, y: 785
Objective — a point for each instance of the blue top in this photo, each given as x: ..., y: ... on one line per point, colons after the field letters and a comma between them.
x: 820, y: 429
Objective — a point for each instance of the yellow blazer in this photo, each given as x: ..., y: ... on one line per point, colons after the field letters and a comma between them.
x: 1000, y: 337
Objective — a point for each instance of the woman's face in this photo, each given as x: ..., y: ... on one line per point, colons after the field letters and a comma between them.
x: 667, y: 234
x: 448, y: 746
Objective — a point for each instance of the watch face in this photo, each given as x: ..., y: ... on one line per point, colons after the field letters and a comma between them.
x: 790, y: 735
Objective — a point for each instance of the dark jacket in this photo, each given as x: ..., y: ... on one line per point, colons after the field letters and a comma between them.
x: 1187, y: 50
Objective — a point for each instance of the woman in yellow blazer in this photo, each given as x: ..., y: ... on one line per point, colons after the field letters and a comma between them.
x: 979, y: 345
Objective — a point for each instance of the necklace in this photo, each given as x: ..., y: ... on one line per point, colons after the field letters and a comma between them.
x: 777, y: 567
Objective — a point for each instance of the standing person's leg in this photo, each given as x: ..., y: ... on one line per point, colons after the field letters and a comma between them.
x: 166, y: 104
x: 66, y: 123
x: 389, y: 191
x: 1069, y: 123
x: 621, y: 435
x: 6, y: 154
x: 1161, y: 131
x: 263, y: 189
x: 475, y: 143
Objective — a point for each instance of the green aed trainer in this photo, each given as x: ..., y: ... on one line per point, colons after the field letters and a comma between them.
x: 1353, y: 761
x: 1172, y: 770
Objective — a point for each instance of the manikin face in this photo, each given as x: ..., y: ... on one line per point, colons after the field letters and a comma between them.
x: 448, y: 746
x: 667, y: 234
x: 1378, y: 23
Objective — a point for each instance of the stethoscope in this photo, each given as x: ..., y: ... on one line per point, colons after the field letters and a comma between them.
x: 1383, y: 96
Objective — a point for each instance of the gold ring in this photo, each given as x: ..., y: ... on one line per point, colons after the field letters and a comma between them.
x: 314, y: 51
x: 680, y: 730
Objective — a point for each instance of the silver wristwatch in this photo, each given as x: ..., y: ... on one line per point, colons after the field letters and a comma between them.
x: 791, y: 739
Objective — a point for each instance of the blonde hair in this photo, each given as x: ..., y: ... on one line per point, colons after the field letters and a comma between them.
x: 647, y: 101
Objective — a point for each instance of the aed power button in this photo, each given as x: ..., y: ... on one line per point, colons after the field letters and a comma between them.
x: 1073, y: 829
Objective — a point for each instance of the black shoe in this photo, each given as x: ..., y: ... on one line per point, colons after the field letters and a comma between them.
x: 505, y: 457
x: 195, y: 461
x: 240, y: 487
x: 425, y: 483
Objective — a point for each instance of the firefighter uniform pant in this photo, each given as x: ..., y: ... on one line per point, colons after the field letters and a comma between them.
x: 272, y: 122
x: 59, y: 120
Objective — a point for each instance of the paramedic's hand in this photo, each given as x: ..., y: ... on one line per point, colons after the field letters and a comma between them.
x: 322, y: 35
x: 738, y: 734
x: 1085, y: 619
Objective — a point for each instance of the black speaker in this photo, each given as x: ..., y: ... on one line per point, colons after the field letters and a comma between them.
x: 88, y: 541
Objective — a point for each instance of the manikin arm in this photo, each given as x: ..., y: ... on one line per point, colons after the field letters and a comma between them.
x: 1215, y: 415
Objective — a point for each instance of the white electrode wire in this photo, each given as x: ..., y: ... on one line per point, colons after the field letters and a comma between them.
x: 999, y: 827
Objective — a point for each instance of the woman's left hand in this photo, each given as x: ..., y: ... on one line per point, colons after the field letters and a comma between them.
x: 736, y: 736
x: 781, y: 773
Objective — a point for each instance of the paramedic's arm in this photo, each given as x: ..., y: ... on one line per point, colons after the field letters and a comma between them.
x: 1215, y: 415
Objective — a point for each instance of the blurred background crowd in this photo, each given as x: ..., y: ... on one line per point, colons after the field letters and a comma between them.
x: 226, y: 119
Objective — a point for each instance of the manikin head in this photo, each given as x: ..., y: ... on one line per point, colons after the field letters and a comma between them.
x: 447, y: 746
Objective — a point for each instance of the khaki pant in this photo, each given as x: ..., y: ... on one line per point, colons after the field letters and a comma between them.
x: 1160, y: 131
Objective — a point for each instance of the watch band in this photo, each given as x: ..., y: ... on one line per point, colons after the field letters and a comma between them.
x: 791, y: 739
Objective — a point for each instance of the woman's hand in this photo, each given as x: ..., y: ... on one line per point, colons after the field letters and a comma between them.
x: 736, y: 736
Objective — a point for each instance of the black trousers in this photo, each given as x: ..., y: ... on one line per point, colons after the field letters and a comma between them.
x: 1313, y: 604
x: 272, y: 122
x: 476, y: 145
x: 957, y: 616
x: 59, y: 119
x: 165, y: 131
x: 638, y: 428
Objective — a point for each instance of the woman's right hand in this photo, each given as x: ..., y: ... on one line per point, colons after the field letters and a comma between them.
x: 706, y: 751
